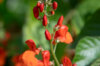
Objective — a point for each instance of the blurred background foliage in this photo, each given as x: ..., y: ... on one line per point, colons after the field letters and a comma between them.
x: 81, y: 16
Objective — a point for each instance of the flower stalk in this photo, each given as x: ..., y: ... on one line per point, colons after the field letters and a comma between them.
x: 53, y: 54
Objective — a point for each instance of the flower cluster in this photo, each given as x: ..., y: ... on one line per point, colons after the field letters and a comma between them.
x: 60, y: 34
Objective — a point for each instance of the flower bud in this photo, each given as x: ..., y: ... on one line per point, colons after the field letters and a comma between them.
x: 36, y: 12
x: 44, y: 20
x: 55, y: 5
x: 47, y: 35
x: 38, y: 4
x: 60, y: 21
x: 52, y: 12
x: 41, y: 7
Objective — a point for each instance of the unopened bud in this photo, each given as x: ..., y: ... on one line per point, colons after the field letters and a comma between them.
x: 55, y: 5
x: 60, y: 21
x: 44, y: 20
x: 36, y: 12
x: 47, y: 35
x: 41, y: 7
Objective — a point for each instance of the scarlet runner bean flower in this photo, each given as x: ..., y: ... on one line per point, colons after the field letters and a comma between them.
x: 28, y: 57
x: 66, y: 61
x: 62, y: 33
x: 47, y: 35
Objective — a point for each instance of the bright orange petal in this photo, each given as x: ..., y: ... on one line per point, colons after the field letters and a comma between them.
x: 29, y: 59
x: 69, y: 38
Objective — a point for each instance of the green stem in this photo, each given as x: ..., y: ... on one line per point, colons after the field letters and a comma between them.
x: 55, y: 48
x: 54, y: 56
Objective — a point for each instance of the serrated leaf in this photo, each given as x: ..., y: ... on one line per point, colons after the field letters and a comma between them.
x: 87, y: 50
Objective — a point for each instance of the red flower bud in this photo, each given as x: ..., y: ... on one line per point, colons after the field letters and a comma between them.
x: 44, y: 20
x: 52, y: 12
x: 74, y: 64
x: 38, y: 4
x: 47, y: 35
x: 55, y: 5
x: 41, y: 7
x: 36, y: 12
x: 46, y: 57
x: 60, y: 20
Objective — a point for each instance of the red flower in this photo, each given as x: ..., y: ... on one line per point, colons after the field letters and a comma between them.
x: 66, y: 61
x: 36, y: 12
x: 46, y: 58
x: 28, y: 57
x: 32, y: 46
x: 63, y: 35
x: 41, y: 7
x: 55, y: 5
x: 47, y: 35
x: 44, y: 20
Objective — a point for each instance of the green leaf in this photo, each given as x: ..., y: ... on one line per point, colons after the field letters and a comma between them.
x: 96, y: 63
x: 83, y: 12
x: 91, y: 27
x: 87, y: 50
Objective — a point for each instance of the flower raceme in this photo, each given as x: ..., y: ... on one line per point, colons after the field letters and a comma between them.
x: 40, y: 7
